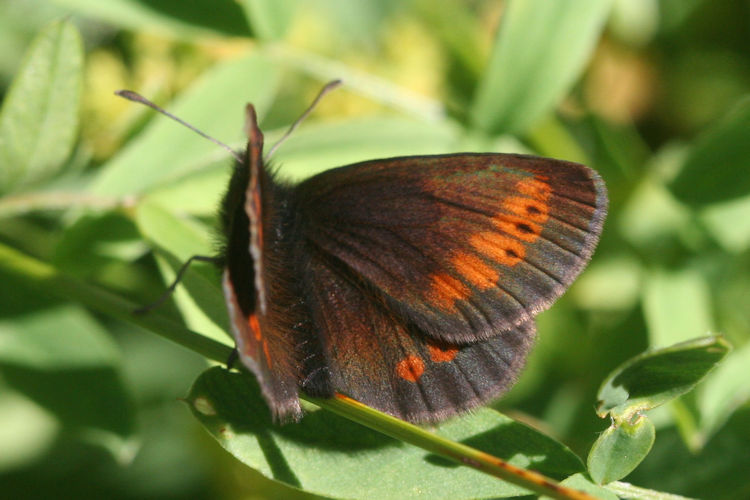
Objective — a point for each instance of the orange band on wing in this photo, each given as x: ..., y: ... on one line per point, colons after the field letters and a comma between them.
x: 445, y: 290
x: 529, y: 208
x: 518, y: 227
x: 475, y: 270
x: 534, y: 188
x: 501, y: 249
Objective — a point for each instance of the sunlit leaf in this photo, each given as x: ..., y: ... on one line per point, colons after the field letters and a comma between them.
x: 198, y: 294
x: 270, y: 19
x: 332, y: 456
x: 166, y: 150
x: 620, y: 449
x: 183, y: 19
x: 61, y: 359
x: 540, y: 50
x: 39, y: 116
x: 656, y: 377
x: 677, y: 306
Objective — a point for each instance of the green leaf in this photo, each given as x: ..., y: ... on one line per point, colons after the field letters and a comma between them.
x: 540, y: 50
x: 718, y: 471
x: 625, y: 490
x: 176, y: 18
x: 27, y: 431
x: 729, y: 223
x: 198, y: 296
x: 581, y: 483
x: 725, y: 390
x: 651, y: 218
x: 677, y: 306
x: 716, y: 168
x: 60, y: 358
x: 656, y: 377
x: 197, y: 194
x: 47, y: 281
x: 329, y: 455
x: 166, y: 151
x: 270, y: 19
x: 620, y: 449
x: 97, y: 240
x: 39, y: 117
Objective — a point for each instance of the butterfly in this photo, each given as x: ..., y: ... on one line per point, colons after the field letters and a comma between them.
x: 410, y: 284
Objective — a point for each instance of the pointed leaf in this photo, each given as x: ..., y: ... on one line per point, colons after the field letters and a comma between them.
x: 39, y: 116
x: 656, y: 377
x: 183, y: 19
x: 540, y: 50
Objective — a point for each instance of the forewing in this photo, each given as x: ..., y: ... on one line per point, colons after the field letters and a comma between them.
x: 264, y: 340
x: 463, y: 246
x: 373, y: 356
x: 265, y: 352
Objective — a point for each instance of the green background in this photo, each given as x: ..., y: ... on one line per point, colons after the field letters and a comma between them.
x: 652, y: 94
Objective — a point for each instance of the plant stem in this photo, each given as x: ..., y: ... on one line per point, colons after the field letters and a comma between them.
x: 457, y: 452
x: 49, y: 280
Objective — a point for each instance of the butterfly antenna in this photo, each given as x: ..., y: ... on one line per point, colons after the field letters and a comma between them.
x: 135, y: 97
x: 327, y: 88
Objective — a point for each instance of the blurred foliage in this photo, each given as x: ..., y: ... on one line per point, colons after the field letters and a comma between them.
x: 653, y: 94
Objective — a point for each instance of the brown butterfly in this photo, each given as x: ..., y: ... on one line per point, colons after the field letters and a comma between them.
x: 410, y: 284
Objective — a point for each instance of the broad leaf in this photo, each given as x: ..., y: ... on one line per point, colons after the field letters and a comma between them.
x: 329, y: 455
x: 620, y: 449
x: 39, y: 116
x: 656, y: 377
x: 677, y: 306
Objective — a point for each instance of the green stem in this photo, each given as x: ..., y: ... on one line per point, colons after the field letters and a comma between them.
x: 50, y: 281
x: 13, y: 205
x: 457, y: 452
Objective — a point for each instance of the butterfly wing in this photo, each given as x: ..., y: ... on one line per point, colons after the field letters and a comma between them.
x: 462, y: 246
x: 373, y: 356
x: 259, y: 310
